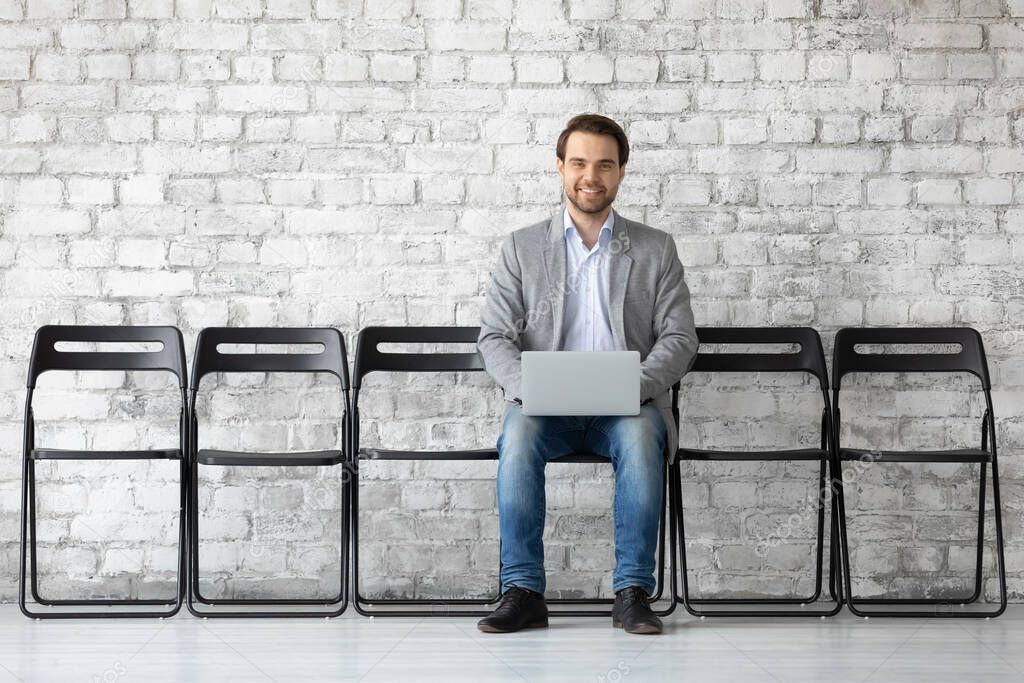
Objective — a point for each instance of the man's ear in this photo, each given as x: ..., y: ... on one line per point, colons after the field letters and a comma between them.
x: 622, y: 173
x: 560, y: 166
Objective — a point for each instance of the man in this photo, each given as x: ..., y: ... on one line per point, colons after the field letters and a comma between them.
x: 587, y: 280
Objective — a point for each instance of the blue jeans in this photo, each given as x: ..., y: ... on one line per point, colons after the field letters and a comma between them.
x: 636, y: 446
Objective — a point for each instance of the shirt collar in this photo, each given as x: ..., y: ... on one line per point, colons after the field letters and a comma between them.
x: 606, y: 229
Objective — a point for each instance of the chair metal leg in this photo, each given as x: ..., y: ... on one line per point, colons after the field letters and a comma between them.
x: 941, y: 607
x: 660, y: 587
x: 195, y: 597
x: 449, y: 607
x: 760, y: 611
x: 29, y: 552
x: 370, y: 607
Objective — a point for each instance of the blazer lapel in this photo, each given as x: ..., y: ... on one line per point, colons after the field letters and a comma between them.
x: 619, y: 263
x: 554, y: 267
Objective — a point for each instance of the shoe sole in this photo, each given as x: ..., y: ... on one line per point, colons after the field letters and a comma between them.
x: 493, y: 629
x: 640, y: 630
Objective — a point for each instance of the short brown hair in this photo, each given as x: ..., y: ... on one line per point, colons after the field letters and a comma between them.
x: 594, y: 123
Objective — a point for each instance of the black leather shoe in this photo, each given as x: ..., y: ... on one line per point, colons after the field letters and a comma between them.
x: 632, y: 612
x: 520, y: 608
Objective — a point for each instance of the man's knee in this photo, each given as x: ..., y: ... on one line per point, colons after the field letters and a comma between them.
x: 641, y: 438
x: 520, y: 438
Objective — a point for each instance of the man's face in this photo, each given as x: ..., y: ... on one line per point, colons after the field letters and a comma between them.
x: 591, y: 172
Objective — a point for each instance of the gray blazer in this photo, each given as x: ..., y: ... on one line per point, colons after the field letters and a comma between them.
x: 648, y: 302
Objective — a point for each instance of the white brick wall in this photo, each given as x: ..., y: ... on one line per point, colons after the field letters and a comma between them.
x: 349, y: 163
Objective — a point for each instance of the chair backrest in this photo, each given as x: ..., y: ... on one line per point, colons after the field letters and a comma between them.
x: 169, y: 357
x: 331, y: 358
x: 810, y: 357
x: 371, y: 359
x: 970, y: 358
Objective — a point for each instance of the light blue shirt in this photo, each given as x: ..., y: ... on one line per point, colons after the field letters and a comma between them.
x: 586, y: 325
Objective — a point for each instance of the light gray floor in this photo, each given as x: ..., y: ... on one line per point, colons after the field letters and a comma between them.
x: 353, y: 648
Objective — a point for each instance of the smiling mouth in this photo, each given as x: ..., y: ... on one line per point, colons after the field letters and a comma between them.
x: 590, y: 193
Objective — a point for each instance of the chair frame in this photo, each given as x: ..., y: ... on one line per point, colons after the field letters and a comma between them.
x: 810, y: 359
x: 369, y: 359
x: 970, y: 359
x: 208, y: 360
x: 46, y: 358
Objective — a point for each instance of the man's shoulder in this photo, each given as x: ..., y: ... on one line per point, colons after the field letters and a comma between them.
x: 538, y: 230
x: 531, y: 236
x: 643, y: 235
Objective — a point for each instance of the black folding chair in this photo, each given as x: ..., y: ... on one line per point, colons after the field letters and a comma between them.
x: 848, y: 358
x: 209, y: 359
x: 810, y: 359
x: 46, y: 357
x: 370, y: 359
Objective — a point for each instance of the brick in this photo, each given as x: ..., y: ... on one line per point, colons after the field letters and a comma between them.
x: 832, y: 160
x: 112, y: 66
x: 731, y: 68
x: 787, y: 9
x: 148, y: 283
x: 466, y: 36
x: 530, y: 69
x: 744, y: 131
x: 936, y: 191
x: 957, y: 159
x: 839, y: 129
x: 924, y: 66
x: 345, y: 67
x: 636, y: 68
x: 988, y: 190
x: 202, y: 36
x: 888, y: 192
x: 933, y: 129
x: 793, y: 128
x: 47, y: 221
x: 351, y: 99
x: 14, y: 66
x: 784, y: 66
x: 939, y: 35
x: 971, y: 66
x: 491, y: 69
x: 1006, y: 160
x: 695, y: 130
x: 247, y: 98
x: 233, y: 221
x: 762, y: 36
x: 302, y: 36
x: 162, y: 98
x: 393, y: 68
x: 872, y: 66
x: 646, y: 37
x: 935, y: 99
x: 829, y: 66
x: 590, y: 69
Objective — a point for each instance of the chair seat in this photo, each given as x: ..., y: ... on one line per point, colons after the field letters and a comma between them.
x: 470, y: 454
x: 298, y: 459
x: 69, y: 454
x: 950, y: 456
x: 795, y: 454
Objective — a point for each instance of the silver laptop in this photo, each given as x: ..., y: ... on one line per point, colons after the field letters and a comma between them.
x: 581, y: 382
